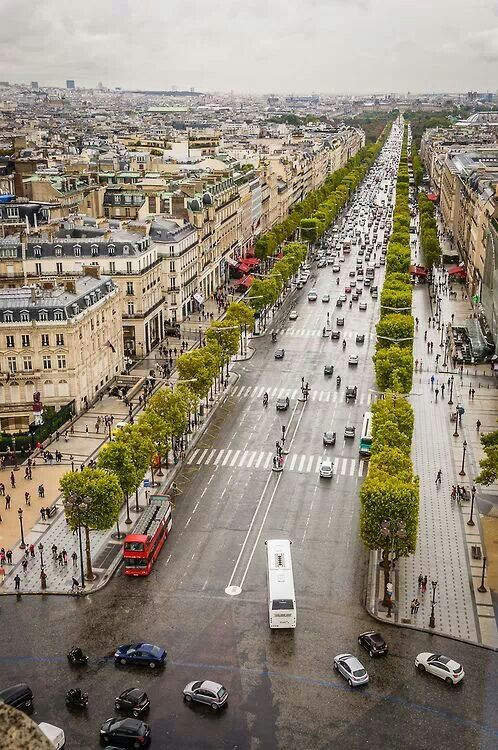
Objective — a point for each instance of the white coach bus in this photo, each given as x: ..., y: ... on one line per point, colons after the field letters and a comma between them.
x: 281, y: 596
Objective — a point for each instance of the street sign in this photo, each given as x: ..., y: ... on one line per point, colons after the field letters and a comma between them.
x: 146, y: 482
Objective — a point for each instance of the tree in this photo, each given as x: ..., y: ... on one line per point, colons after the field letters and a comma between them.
x: 226, y: 335
x: 98, y: 498
x: 199, y: 366
x: 156, y: 430
x: 140, y: 447
x: 396, y: 409
x: 489, y: 464
x: 173, y: 410
x: 396, y: 300
x: 395, y: 330
x: 240, y: 313
x: 116, y: 458
x: 394, y: 369
x: 391, y: 462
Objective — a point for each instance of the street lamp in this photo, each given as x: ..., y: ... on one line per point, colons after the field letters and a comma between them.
x: 200, y: 336
x: 40, y: 548
x: 16, y: 467
x: 78, y: 503
x: 432, y: 619
x: 462, y: 470
x: 450, y: 401
x: 23, y: 543
x: 470, y: 522
x: 482, y: 588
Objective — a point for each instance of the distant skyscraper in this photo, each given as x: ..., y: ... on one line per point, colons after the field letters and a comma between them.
x: 34, y: 84
x: 70, y: 84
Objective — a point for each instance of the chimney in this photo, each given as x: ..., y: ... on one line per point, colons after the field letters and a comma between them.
x: 93, y: 271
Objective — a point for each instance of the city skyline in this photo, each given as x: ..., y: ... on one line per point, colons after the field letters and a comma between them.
x: 361, y: 47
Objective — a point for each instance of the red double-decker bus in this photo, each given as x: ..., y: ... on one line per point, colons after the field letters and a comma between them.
x: 141, y: 548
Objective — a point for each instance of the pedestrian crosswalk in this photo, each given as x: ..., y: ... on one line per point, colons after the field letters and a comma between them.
x: 318, y: 332
x: 297, y: 462
x: 330, y: 397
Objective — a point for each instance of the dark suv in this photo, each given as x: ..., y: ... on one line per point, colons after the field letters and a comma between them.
x: 18, y: 696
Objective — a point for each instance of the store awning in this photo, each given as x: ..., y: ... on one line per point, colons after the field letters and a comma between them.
x: 246, y: 282
x: 457, y: 271
x: 418, y: 271
x: 433, y: 196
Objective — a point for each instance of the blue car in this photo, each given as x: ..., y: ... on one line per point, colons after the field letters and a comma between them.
x: 141, y: 654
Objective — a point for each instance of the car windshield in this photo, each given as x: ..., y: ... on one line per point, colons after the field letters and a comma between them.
x: 155, y: 650
x: 196, y: 685
x: 221, y: 692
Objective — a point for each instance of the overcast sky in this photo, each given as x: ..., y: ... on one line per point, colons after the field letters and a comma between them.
x: 253, y: 46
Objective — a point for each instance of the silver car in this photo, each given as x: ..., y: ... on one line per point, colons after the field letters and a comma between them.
x: 205, y: 691
x: 351, y: 669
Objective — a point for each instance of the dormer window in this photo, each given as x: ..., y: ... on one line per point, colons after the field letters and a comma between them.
x: 24, y: 316
x: 95, y: 250
x: 58, y: 315
x: 87, y: 300
x: 125, y: 249
x: 58, y: 249
x: 77, y: 250
x: 8, y: 317
x: 37, y: 251
x: 75, y: 307
x: 43, y: 316
x: 92, y: 297
x: 111, y: 249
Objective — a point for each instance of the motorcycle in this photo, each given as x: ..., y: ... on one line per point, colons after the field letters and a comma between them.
x: 76, y: 699
x: 338, y: 381
x: 265, y: 400
x: 274, y: 337
x: 343, y: 344
x: 77, y: 657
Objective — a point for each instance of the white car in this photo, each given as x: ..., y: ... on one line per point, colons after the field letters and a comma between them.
x: 363, y: 306
x: 327, y: 468
x: 353, y: 359
x: 293, y: 315
x: 326, y: 298
x: 312, y: 296
x: 447, y: 669
x: 55, y: 735
x: 351, y: 668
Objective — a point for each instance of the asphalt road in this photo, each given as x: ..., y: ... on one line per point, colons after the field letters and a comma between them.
x: 283, y: 691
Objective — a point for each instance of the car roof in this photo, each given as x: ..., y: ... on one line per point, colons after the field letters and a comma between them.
x: 210, y: 685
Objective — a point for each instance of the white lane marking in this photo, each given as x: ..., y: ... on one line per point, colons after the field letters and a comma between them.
x: 361, y: 467
x: 252, y: 456
x: 260, y: 458
x: 227, y: 456
x: 293, y: 394
x: 268, y: 459
x: 293, y: 461
x: 188, y: 521
x: 208, y: 459
x: 234, y: 458
x: 192, y: 457
x: 318, y: 462
x: 310, y: 464
x: 352, y: 467
x: 199, y: 460
x: 218, y: 457
x: 242, y: 459
x: 301, y: 463
x: 327, y: 399
x: 344, y: 466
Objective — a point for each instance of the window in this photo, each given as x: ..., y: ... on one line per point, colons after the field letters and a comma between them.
x: 95, y: 250
x: 111, y: 249
x: 10, y: 342
x: 38, y: 269
x: 77, y: 250
x: 61, y: 362
x: 58, y: 250
x: 45, y: 340
x: 129, y: 268
x: 58, y: 269
x: 112, y: 267
x: 58, y: 315
x: 47, y: 362
x: 172, y: 266
x: 37, y: 251
x: 129, y: 288
x: 43, y: 315
x: 24, y: 316
x: 7, y: 317
x: 131, y: 308
x: 59, y: 339
x: 27, y: 364
x: 12, y: 364
x: 25, y: 340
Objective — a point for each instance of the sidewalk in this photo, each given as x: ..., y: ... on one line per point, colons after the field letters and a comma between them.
x: 83, y: 445
x: 445, y: 540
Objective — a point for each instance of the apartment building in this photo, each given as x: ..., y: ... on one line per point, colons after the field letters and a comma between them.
x: 177, y: 245
x: 59, y: 343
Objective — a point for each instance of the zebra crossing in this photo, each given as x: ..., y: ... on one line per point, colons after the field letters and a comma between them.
x: 297, y: 462
x: 317, y: 332
x: 329, y: 397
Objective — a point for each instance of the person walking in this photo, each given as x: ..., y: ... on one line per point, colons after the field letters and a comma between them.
x: 424, y: 585
x: 478, y: 425
x: 420, y: 579
x: 412, y: 607
x: 54, y: 552
x: 453, y: 493
x: 472, y: 393
x: 24, y: 564
x: 42, y: 513
x: 2, y: 489
x: 32, y: 550
x: 436, y: 393
x: 442, y: 390
x: 439, y: 476
x: 64, y: 556
x: 75, y: 585
x: 417, y: 605
x: 7, y: 502
x: 17, y: 582
x: 27, y: 498
x: 432, y: 382
x: 8, y: 555
x: 59, y: 560
x: 74, y: 558
x: 12, y: 480
x: 41, y: 491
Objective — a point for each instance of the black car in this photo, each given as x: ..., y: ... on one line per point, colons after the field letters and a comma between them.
x: 125, y: 733
x: 279, y: 353
x: 133, y: 700
x: 373, y: 643
x: 18, y: 696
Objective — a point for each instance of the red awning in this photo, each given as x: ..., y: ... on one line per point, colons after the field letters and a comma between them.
x: 246, y: 282
x: 457, y: 271
x: 433, y: 196
x: 243, y: 267
x: 251, y: 262
x: 418, y: 271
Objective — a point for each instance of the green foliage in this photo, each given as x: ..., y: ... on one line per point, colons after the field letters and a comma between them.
x: 395, y: 409
x: 395, y: 330
x: 116, y: 458
x: 139, y: 445
x: 399, y: 300
x: 389, y: 499
x: 156, y: 430
x: 172, y: 409
x: 394, y: 369
x: 240, y: 313
x: 429, y: 241
x: 489, y: 464
x: 226, y: 334
x: 199, y: 366
x: 391, y: 462
x: 104, y: 498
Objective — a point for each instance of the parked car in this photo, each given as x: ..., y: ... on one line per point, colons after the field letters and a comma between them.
x: 329, y: 438
x: 125, y: 732
x: 327, y: 468
x: 442, y: 666
x: 279, y: 353
x: 54, y: 734
x: 373, y: 643
x: 134, y: 701
x: 17, y: 696
x: 351, y: 668
x: 141, y: 654
x: 205, y: 691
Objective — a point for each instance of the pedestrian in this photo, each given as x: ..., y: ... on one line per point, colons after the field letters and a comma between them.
x: 439, y: 476
x: 424, y: 585
x: 478, y: 425
x: 8, y: 555
x: 24, y: 564
x: 453, y: 493
x: 41, y: 491
x: 97, y: 427
x: 7, y: 502
x: 86, y: 429
x: 54, y: 551
x: 432, y: 346
x: 17, y: 582
x: 26, y: 472
x: 64, y: 556
x: 428, y: 347
x: 412, y: 607
x: 32, y: 550
x: 420, y: 579
x: 425, y: 336
x: 42, y: 513
x: 74, y: 558
x: 472, y: 393
x: 417, y: 605
x: 2, y: 557
x: 416, y: 323
x: 2, y: 489
x: 60, y: 560
x: 442, y: 390
x: 75, y: 584
x: 432, y: 382
x: 436, y: 392
x: 27, y: 498
x: 71, y: 430
x: 12, y: 480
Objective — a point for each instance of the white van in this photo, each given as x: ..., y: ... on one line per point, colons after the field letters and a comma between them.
x: 54, y: 734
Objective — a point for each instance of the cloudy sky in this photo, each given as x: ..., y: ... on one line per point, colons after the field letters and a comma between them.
x: 254, y: 46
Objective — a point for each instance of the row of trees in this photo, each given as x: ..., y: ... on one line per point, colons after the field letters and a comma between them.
x: 389, y: 496
x: 265, y: 292
x: 320, y: 208
x: 93, y: 497
x: 429, y: 240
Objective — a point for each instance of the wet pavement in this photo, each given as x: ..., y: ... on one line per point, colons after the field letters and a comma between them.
x: 283, y: 690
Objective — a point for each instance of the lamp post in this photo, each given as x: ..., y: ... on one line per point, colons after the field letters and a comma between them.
x: 441, y: 343
x: 40, y: 549
x: 16, y: 467
x: 78, y: 503
x: 470, y: 522
x: 482, y: 588
x: 462, y: 470
x: 200, y: 336
x: 450, y: 400
x: 23, y: 543
x: 432, y: 619
x: 285, y: 450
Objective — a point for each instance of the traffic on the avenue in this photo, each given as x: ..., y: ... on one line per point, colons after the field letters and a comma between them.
x: 242, y: 623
